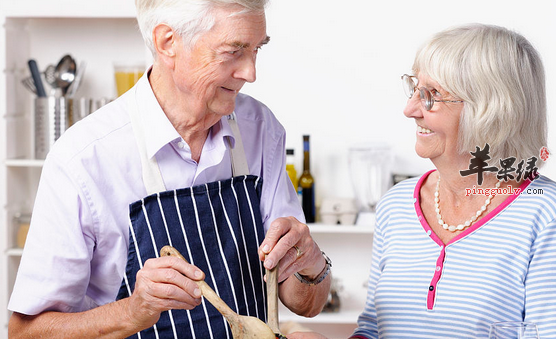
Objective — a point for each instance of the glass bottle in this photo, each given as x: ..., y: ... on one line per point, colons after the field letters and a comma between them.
x: 290, y: 167
x: 307, y: 184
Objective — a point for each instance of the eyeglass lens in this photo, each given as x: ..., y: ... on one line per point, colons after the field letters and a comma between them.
x: 425, y: 95
x: 409, y: 85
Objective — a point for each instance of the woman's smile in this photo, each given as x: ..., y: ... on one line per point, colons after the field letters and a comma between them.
x: 423, y: 131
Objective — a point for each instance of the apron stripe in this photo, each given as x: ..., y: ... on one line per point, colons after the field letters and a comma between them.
x: 224, y: 261
x: 155, y: 253
x: 173, y: 324
x: 132, y: 231
x: 191, y: 260
x: 127, y: 284
x: 153, y: 240
x: 254, y: 223
x: 245, y: 247
x: 256, y: 184
x: 235, y: 243
x: 201, y: 237
x: 126, y: 280
x: 163, y: 215
x: 164, y: 219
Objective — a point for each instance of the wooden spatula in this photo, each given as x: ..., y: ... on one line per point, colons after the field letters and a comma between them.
x: 243, y: 327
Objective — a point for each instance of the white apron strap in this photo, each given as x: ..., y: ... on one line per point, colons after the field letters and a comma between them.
x: 152, y: 178
x: 237, y: 153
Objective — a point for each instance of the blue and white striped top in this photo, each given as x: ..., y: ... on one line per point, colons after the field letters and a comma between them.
x: 503, y: 268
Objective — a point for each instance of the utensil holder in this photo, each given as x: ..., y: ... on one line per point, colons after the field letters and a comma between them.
x: 52, y: 115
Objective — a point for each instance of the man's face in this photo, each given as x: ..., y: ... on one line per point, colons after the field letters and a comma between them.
x: 212, y: 72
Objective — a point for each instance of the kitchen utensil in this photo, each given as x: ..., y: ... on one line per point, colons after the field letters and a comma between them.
x: 243, y: 327
x: 29, y: 84
x: 272, y: 298
x: 77, y: 81
x: 50, y: 77
x: 36, y: 78
x: 65, y: 73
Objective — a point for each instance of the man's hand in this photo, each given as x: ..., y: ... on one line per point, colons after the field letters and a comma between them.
x: 163, y: 284
x: 289, y: 243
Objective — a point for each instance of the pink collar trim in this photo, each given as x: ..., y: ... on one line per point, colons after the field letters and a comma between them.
x: 470, y: 229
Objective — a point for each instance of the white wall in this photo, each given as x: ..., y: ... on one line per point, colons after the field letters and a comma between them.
x: 332, y: 70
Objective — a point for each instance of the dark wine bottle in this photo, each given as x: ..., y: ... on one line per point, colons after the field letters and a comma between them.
x: 307, y: 184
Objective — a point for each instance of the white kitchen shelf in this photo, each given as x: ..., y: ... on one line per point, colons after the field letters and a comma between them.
x: 315, y: 228
x: 69, y: 9
x: 24, y: 163
x: 341, y: 229
x: 14, y: 252
x: 342, y: 317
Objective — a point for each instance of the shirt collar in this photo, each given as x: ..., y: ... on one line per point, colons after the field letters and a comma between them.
x: 159, y: 131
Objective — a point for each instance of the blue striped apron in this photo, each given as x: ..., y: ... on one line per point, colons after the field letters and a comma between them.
x: 216, y: 226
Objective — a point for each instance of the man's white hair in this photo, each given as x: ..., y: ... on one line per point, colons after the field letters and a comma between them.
x: 189, y: 18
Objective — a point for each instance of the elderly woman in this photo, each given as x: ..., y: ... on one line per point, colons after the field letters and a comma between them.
x: 472, y: 242
x: 181, y: 159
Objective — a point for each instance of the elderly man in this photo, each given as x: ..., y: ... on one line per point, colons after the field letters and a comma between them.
x: 181, y: 159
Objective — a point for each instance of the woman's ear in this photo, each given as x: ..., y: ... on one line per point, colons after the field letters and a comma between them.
x: 164, y: 39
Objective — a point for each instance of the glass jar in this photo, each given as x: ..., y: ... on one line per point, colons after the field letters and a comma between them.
x: 22, y: 222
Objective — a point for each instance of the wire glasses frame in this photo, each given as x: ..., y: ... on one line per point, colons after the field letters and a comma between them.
x: 410, y: 83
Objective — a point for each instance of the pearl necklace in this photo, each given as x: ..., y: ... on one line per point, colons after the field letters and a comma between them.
x: 468, y: 222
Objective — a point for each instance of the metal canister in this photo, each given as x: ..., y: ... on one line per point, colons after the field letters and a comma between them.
x: 51, y: 120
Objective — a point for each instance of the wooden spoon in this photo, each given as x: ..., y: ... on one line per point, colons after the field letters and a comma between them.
x: 272, y: 295
x: 243, y: 327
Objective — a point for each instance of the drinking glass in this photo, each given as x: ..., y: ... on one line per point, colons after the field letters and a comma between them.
x: 513, y: 330
x: 126, y: 75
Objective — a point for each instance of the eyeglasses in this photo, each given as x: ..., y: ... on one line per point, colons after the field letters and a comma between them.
x: 410, y: 83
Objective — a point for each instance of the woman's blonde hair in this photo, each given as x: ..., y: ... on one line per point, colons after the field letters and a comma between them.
x: 189, y: 18
x: 500, y: 76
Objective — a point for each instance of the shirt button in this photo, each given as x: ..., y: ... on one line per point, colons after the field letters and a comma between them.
x: 181, y: 144
x: 431, y: 288
x: 429, y: 232
x: 438, y: 268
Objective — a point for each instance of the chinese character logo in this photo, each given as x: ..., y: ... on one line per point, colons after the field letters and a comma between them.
x: 478, y: 163
x: 544, y: 154
x: 525, y: 169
